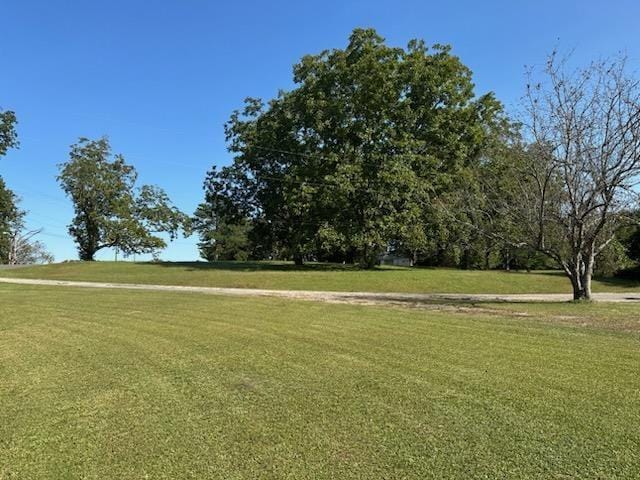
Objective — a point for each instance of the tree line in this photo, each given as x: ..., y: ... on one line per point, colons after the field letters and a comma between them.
x: 17, y: 245
x: 379, y: 149
x: 382, y: 149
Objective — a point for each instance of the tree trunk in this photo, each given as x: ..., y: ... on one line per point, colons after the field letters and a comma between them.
x: 88, y: 244
x: 586, y: 279
x: 581, y: 291
x: 298, y: 259
x: 585, y: 293
x: 350, y: 256
x: 87, y: 256
x: 368, y: 262
x: 369, y: 257
x: 580, y: 275
x: 466, y: 259
x: 13, y: 250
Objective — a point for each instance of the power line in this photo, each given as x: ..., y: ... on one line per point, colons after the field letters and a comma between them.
x: 40, y: 194
x: 65, y: 237
x: 287, y: 152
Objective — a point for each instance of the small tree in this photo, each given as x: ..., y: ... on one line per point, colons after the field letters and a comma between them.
x: 109, y: 211
x: 223, y: 220
x: 26, y: 251
x: 17, y: 246
x: 578, y: 176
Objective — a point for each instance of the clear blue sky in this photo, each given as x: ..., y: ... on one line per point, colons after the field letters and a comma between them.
x: 161, y: 77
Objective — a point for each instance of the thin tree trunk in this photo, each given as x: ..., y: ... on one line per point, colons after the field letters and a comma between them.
x: 466, y: 259
x: 13, y: 252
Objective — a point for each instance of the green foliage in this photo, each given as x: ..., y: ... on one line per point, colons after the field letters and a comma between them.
x: 8, y: 135
x: 226, y: 242
x: 612, y: 259
x: 10, y: 217
x: 627, y: 248
x: 349, y: 159
x: 222, y: 220
x: 9, y: 212
x: 629, y: 236
x: 109, y: 211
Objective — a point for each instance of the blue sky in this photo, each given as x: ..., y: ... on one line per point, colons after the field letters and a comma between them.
x: 160, y: 78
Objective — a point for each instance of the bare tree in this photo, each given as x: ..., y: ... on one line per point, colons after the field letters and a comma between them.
x: 581, y: 170
x: 24, y: 251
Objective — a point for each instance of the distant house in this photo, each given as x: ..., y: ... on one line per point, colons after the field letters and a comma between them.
x: 396, y: 260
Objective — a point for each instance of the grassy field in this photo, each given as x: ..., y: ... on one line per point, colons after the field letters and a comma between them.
x: 118, y: 384
x: 332, y: 277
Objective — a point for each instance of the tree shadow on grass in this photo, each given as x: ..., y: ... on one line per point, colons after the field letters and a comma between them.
x: 264, y: 266
x: 618, y: 282
x: 283, y: 266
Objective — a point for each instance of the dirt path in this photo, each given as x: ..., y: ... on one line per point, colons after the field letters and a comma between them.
x: 369, y: 298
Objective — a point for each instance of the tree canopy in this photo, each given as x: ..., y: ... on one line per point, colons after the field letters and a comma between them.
x: 110, y: 212
x: 347, y: 162
x: 9, y: 212
x: 380, y: 149
x: 8, y: 134
x: 10, y: 216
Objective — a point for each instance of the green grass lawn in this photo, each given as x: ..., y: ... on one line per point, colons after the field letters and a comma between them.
x: 332, y: 277
x: 118, y: 384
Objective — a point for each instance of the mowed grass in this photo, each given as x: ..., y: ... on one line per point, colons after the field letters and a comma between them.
x: 618, y: 317
x: 115, y: 384
x: 318, y: 276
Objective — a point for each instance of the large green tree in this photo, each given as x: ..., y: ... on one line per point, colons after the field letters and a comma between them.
x: 110, y: 212
x: 351, y: 157
x: 9, y: 212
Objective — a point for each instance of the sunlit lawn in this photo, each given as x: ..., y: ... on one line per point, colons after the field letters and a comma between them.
x: 116, y: 384
x: 280, y: 275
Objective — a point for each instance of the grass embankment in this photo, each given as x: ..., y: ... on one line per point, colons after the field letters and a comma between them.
x: 327, y: 277
x: 117, y: 384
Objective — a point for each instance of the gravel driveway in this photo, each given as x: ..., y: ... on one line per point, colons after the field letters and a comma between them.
x: 338, y: 297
